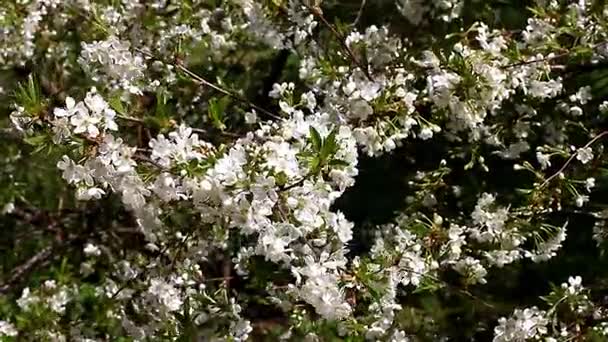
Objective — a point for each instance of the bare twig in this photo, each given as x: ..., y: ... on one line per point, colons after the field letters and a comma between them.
x: 317, y: 12
x: 572, y: 156
x: 145, y: 159
x: 203, y: 81
x: 200, y: 80
x: 194, y: 129
x: 129, y: 118
x: 297, y: 183
x: 45, y: 255
x: 25, y: 268
x: 359, y: 14
x: 9, y: 133
x: 227, y: 271
x: 547, y: 59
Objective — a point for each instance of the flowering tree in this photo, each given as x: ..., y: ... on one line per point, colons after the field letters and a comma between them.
x: 197, y: 170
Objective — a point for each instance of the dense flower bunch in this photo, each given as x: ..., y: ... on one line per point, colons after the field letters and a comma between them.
x: 232, y: 195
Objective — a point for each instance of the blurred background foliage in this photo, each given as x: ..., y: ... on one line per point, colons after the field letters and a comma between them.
x: 47, y: 218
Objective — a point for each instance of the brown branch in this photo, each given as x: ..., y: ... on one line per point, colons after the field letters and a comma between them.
x: 200, y: 80
x: 194, y: 129
x: 317, y: 12
x: 42, y: 257
x: 130, y: 118
x: 148, y: 160
x: 234, y: 96
x: 25, y: 268
x: 227, y: 271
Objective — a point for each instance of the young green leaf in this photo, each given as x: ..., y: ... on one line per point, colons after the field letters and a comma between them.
x: 315, y: 139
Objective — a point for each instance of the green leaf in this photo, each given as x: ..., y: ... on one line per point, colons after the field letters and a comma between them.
x: 338, y: 162
x: 35, y: 140
x: 315, y: 165
x: 315, y: 139
x: 329, y: 145
x: 216, y: 111
x: 161, y: 103
x: 29, y: 96
x: 116, y: 103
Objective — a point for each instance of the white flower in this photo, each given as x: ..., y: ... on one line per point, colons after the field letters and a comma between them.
x: 91, y: 250
x: 323, y: 293
x: 342, y: 227
x: 283, y: 158
x: 73, y: 173
x: 165, y: 294
x: 576, y: 111
x: 71, y: 108
x: 523, y: 325
x: 426, y: 133
x: 251, y: 117
x: 581, y: 200
x: 280, y: 90
x: 84, y: 122
x: 62, y: 130
x: 7, y: 329
x: 240, y: 329
x: 112, y: 61
x: 59, y: 300
x: 8, y: 208
x: 543, y: 159
x: 309, y: 100
x: 548, y: 249
x: 582, y: 96
x: 95, y: 102
x: 584, y: 154
x: 574, y: 285
x: 589, y: 183
x: 286, y: 107
x: 490, y: 221
x: 86, y: 194
x: 472, y: 269
x: 27, y: 299
x: 50, y: 284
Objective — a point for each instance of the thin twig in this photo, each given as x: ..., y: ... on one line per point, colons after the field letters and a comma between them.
x: 547, y: 59
x: 359, y: 14
x: 446, y: 284
x: 129, y: 118
x: 227, y: 271
x: 317, y: 12
x: 203, y: 81
x: 145, y: 159
x: 199, y: 79
x: 43, y: 256
x: 194, y: 129
x: 26, y: 267
x: 596, y: 138
x: 296, y: 184
x: 10, y: 133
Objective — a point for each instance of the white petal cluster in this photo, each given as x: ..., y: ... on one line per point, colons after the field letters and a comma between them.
x: 524, y: 324
x: 7, y: 329
x: 112, y: 61
x: 89, y: 117
x: 257, y: 206
x: 418, y: 11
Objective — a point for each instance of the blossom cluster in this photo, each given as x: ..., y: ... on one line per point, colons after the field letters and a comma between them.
x: 236, y: 204
x: 571, y: 313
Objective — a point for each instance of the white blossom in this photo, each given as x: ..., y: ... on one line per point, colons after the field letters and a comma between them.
x: 584, y: 155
